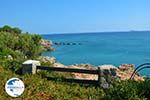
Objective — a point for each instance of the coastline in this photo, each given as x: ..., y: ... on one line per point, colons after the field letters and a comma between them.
x: 101, y: 48
x: 123, y: 71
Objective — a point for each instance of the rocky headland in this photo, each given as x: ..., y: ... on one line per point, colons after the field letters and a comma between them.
x: 47, y: 45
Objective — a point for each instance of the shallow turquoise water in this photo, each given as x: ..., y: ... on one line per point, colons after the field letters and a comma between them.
x: 102, y: 48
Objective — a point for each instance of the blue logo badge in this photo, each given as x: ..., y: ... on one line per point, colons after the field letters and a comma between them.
x: 14, y: 87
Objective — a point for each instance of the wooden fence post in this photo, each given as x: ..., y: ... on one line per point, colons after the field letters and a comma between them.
x: 99, y: 76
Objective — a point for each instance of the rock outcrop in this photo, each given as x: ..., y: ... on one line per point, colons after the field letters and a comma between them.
x: 47, y: 45
x: 58, y: 65
x: 47, y: 59
x: 108, y: 75
x: 107, y: 67
x: 84, y: 76
x: 124, y: 72
x: 82, y: 66
x: 66, y: 43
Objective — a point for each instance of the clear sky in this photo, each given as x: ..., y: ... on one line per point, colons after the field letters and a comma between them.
x: 65, y: 16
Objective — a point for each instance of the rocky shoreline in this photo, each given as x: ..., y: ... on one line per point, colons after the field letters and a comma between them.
x: 47, y: 44
x: 122, y: 72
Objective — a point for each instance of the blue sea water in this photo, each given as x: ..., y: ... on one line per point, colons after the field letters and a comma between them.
x: 102, y: 48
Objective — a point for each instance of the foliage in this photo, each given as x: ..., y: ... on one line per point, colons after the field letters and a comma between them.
x: 7, y: 28
x: 126, y: 90
x: 29, y: 45
x: 39, y: 88
x: 57, y: 75
x: 144, y: 88
x: 16, y: 47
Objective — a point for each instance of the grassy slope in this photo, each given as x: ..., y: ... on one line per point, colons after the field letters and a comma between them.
x: 37, y: 88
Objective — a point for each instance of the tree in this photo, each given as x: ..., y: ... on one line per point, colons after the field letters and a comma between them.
x: 17, y: 30
x: 7, y: 28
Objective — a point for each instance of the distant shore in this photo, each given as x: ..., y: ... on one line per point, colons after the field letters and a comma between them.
x: 83, y: 33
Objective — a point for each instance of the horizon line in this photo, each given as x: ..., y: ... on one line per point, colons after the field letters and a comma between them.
x: 59, y: 33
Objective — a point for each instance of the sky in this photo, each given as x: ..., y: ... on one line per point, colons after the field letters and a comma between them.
x: 75, y: 16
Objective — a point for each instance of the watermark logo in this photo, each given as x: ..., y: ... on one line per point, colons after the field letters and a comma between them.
x: 14, y: 87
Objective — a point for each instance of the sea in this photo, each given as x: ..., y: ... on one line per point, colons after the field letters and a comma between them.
x: 100, y: 48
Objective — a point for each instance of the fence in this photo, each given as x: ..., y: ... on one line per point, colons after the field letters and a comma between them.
x: 33, y: 66
x: 85, y: 71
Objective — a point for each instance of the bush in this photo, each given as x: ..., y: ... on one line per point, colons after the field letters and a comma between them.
x: 19, y: 46
x: 124, y: 90
x: 144, y: 88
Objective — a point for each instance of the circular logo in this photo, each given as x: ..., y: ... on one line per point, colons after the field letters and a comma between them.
x: 14, y: 87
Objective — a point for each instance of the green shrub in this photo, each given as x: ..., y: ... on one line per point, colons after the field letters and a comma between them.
x: 144, y: 88
x: 18, y: 46
x: 124, y: 90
